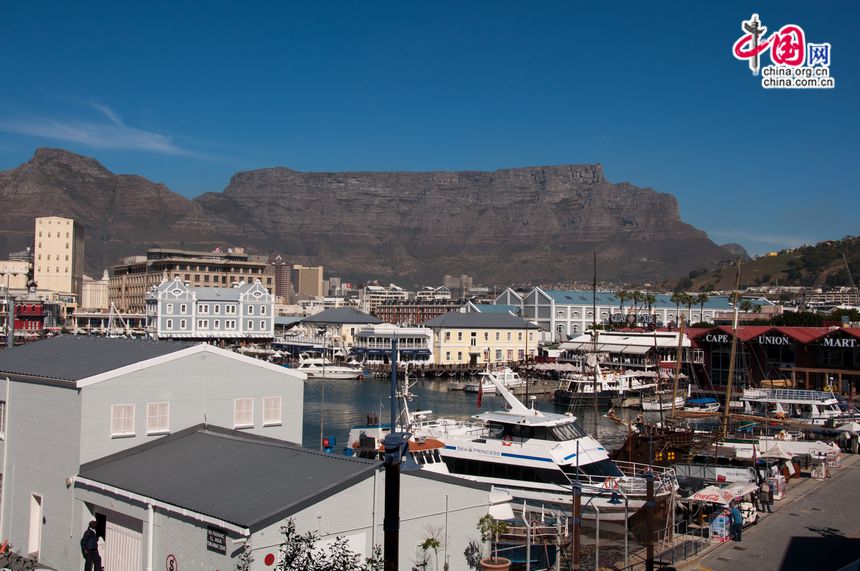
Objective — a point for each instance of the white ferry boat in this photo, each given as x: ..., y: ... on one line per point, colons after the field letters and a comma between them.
x: 536, y: 457
x: 610, y: 386
x: 485, y: 383
x: 813, y: 407
x: 319, y: 367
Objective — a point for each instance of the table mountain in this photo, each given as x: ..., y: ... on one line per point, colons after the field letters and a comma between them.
x: 537, y: 224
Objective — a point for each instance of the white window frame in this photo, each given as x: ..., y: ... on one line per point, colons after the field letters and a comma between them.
x: 250, y: 325
x: 217, y: 309
x: 183, y: 324
x: 183, y: 309
x: 157, y: 420
x: 203, y: 308
x: 262, y: 310
x: 250, y: 310
x: 262, y: 325
x: 2, y: 422
x: 270, y: 418
x: 169, y: 324
x: 244, y: 421
x: 169, y: 308
x: 121, y: 431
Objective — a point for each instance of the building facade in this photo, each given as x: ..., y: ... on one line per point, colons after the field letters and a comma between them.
x: 58, y: 263
x: 71, y: 400
x: 132, y: 280
x: 95, y: 293
x: 177, y: 311
x: 414, y: 312
x: 309, y: 281
x: 372, y: 296
x: 372, y: 344
x: 283, y: 279
x: 482, y: 338
x: 13, y: 274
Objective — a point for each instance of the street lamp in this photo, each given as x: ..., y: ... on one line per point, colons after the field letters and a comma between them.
x: 322, y: 331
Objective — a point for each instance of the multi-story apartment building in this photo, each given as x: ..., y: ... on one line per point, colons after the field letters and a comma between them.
x: 430, y: 293
x: 59, y: 255
x: 309, y: 281
x: 481, y: 338
x: 372, y: 296
x: 178, y: 311
x: 414, y: 312
x: 283, y: 278
x: 132, y: 280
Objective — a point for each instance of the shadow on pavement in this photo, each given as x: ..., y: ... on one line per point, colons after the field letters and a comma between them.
x: 826, y: 553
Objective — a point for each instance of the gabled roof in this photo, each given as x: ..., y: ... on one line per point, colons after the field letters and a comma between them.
x: 477, y: 320
x: 238, y: 477
x: 340, y: 315
x: 750, y: 332
x: 496, y: 308
x: 76, y: 357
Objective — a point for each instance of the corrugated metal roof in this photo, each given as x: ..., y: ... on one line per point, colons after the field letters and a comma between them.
x: 76, y: 357
x: 497, y: 308
x: 242, y: 478
x: 340, y: 315
x: 480, y: 321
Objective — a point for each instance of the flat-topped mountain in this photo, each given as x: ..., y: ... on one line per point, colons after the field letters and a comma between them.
x: 537, y: 224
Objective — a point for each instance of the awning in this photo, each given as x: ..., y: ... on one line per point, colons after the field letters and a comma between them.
x: 636, y: 349
x: 722, y: 496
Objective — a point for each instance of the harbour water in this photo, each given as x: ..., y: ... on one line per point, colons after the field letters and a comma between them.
x: 348, y: 402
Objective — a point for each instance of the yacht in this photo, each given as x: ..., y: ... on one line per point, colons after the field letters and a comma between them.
x: 812, y: 407
x: 583, y: 388
x: 536, y: 457
x: 320, y: 367
x: 702, y: 404
x: 485, y: 383
x: 662, y: 401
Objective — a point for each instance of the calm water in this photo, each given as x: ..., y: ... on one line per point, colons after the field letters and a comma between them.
x: 348, y: 402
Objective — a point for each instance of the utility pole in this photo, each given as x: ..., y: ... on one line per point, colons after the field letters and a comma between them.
x: 396, y: 446
x: 725, y: 427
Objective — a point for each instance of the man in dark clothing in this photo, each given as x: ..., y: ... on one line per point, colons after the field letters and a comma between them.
x: 90, y: 548
x: 737, y: 522
x: 764, y: 497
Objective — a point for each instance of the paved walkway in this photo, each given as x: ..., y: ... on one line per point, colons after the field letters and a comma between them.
x: 816, y: 528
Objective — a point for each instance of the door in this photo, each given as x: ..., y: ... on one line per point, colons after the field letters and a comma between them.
x: 34, y: 545
x: 123, y: 543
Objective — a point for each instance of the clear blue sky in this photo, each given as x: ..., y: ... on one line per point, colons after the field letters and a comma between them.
x: 187, y: 93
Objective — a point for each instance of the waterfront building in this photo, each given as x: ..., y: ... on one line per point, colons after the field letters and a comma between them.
x: 131, y: 280
x: 631, y: 350
x: 73, y: 400
x: 59, y: 255
x: 414, y: 312
x: 178, y: 311
x: 430, y: 293
x: 482, y: 338
x: 13, y: 274
x: 95, y: 293
x: 196, y: 497
x: 316, y: 305
x: 335, y: 327
x: 372, y: 344
x: 372, y: 296
x: 565, y: 314
x: 309, y: 281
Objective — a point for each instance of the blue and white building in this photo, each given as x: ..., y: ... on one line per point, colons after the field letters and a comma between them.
x: 175, y: 310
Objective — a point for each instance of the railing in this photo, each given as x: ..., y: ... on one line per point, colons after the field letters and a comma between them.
x: 786, y: 394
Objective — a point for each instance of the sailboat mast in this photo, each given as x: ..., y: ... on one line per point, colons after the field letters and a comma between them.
x: 678, y: 357
x: 594, y: 337
x: 737, y: 297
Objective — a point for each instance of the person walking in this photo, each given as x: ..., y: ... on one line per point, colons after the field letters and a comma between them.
x: 90, y: 548
x: 765, y: 497
x: 737, y: 520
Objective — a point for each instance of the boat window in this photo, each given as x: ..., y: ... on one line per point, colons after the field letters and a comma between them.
x: 569, y: 431
x: 603, y: 468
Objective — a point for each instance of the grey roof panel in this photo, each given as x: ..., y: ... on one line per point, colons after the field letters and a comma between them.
x: 238, y: 477
x: 341, y: 315
x: 480, y: 321
x: 76, y: 357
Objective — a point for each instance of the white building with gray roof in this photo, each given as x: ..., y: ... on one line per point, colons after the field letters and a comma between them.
x: 199, y: 496
x: 175, y: 310
x: 71, y: 400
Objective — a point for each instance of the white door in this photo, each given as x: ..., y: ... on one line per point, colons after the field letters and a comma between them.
x: 123, y: 543
x: 34, y: 545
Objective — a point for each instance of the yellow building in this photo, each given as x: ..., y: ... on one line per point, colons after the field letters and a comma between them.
x: 309, y: 281
x: 481, y: 338
x: 336, y: 327
x: 58, y: 261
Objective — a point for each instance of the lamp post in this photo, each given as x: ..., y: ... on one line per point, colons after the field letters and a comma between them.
x: 322, y: 329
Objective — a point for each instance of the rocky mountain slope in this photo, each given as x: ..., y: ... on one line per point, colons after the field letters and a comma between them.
x: 536, y: 224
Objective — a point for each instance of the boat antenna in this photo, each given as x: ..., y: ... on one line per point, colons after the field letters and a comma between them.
x: 737, y: 299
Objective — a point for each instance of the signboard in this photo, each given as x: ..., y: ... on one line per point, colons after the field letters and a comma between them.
x: 774, y: 340
x: 216, y: 540
x: 170, y: 564
x: 842, y: 343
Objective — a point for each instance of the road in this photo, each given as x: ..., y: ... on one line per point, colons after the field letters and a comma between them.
x: 817, y: 531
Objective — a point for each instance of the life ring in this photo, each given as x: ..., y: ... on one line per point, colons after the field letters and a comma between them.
x: 610, y: 484
x: 507, y: 440
x: 781, y: 435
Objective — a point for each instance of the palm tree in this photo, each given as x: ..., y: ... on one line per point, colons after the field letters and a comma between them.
x: 622, y: 295
x: 702, y: 299
x: 689, y: 300
x: 650, y: 299
x: 677, y: 297
x: 638, y: 297
x: 746, y: 306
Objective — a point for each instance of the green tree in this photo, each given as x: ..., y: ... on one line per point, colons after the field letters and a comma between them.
x: 702, y: 299
x: 491, y: 528
x: 299, y: 552
x: 622, y: 295
x: 638, y: 297
x: 676, y: 298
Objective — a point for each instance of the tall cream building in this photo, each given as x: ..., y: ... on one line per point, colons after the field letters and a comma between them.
x: 58, y: 261
x: 95, y: 293
x: 309, y: 281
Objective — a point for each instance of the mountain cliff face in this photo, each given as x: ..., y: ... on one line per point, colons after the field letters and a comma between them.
x: 534, y: 224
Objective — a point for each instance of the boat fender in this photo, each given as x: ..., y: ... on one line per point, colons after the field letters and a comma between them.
x: 507, y: 440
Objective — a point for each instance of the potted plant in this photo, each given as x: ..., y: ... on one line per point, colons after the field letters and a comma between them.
x: 491, y: 529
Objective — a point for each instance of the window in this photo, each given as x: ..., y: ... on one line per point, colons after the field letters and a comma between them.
x: 459, y: 336
x: 217, y: 309
x: 169, y: 324
x: 121, y: 420
x: 486, y: 335
x: 459, y: 356
x: 203, y: 308
x: 217, y: 324
x: 498, y: 354
x: 271, y: 411
x: 447, y: 355
x: 447, y: 336
x: 509, y: 335
x: 157, y: 418
x: 262, y: 310
x: 169, y: 308
x: 520, y: 336
x: 2, y: 419
x: 250, y: 310
x: 243, y: 413
x: 262, y: 325
x: 250, y: 325
x: 498, y: 335
x: 183, y: 309
x: 183, y: 324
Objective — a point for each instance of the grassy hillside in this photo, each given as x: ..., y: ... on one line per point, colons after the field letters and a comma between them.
x: 820, y: 265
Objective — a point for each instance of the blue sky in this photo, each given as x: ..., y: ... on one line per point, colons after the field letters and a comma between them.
x: 189, y: 93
